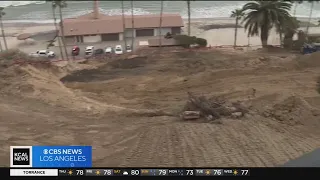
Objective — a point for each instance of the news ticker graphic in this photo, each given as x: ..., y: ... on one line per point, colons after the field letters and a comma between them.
x: 102, y: 172
x: 50, y: 156
x: 129, y: 172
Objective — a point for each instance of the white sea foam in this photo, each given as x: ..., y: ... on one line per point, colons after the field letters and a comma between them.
x: 19, y: 3
x: 213, y: 9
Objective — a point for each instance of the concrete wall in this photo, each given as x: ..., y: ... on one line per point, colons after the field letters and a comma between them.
x: 128, y: 33
x: 164, y: 31
x: 120, y: 36
x: 92, y: 38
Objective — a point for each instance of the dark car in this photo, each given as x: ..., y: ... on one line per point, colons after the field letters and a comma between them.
x: 98, y: 52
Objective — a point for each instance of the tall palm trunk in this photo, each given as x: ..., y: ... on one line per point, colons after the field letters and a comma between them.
x: 264, y: 36
x: 3, y: 35
x: 295, y: 9
x: 189, y: 18
x: 132, y: 18
x: 310, y: 16
x: 160, y: 26
x: 55, y: 25
x: 62, y: 33
x: 1, y: 47
x: 236, y: 33
x: 124, y: 25
x: 281, y: 39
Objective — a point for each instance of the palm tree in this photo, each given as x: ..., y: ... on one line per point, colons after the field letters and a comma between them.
x: 287, y: 27
x: 263, y: 15
x: 295, y: 3
x: 124, y: 25
x: 132, y: 18
x: 62, y: 4
x: 160, y: 26
x: 189, y: 18
x: 238, y: 14
x: 2, y: 13
x: 55, y: 25
x: 295, y: 8
x: 310, y: 14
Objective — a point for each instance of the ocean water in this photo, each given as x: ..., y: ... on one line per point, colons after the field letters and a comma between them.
x: 41, y: 12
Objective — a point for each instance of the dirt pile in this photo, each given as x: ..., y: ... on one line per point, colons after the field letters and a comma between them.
x: 308, y: 60
x: 43, y: 84
x: 294, y: 110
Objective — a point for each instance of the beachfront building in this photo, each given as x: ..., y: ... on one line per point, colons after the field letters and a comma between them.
x: 96, y: 27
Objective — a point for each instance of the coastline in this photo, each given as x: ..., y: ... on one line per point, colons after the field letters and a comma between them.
x: 217, y: 31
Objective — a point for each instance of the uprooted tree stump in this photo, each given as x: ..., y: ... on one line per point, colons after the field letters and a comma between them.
x: 211, y: 109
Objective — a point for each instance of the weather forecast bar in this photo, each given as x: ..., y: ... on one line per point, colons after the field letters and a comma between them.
x: 102, y: 172
x: 154, y: 172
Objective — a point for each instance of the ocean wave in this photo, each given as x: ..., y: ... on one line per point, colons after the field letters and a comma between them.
x: 19, y: 3
x: 214, y: 9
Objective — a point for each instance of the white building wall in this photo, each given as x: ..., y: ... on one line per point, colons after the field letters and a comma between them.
x: 128, y: 33
x: 92, y: 39
x: 120, y: 36
x: 164, y: 31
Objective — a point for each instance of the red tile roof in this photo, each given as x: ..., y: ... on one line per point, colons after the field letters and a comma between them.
x: 86, y: 24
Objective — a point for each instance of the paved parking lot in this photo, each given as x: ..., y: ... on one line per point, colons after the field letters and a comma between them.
x: 103, y: 45
x: 100, y: 45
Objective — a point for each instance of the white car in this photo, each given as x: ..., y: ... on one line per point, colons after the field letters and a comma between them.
x: 128, y: 48
x: 109, y: 50
x: 118, y: 49
x: 43, y: 53
x: 89, y: 50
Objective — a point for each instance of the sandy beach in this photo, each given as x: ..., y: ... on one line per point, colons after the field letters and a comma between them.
x: 215, y: 37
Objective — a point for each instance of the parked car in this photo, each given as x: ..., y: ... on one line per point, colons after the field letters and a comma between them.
x: 128, y: 48
x: 75, y: 51
x: 89, y: 50
x: 310, y: 48
x: 109, y: 50
x: 118, y: 50
x: 43, y: 53
x: 98, y: 52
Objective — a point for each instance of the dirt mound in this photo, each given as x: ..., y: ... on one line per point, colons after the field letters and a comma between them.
x: 129, y: 63
x: 309, y: 60
x: 43, y: 84
x: 294, y: 110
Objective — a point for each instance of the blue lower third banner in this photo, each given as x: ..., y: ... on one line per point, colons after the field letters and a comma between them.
x: 61, y: 156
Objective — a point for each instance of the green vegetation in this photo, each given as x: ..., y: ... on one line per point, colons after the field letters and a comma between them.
x: 261, y: 16
x: 186, y: 41
x: 237, y: 14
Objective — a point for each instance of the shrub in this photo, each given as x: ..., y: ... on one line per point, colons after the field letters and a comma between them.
x: 12, y: 54
x: 201, y: 42
x: 184, y: 40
